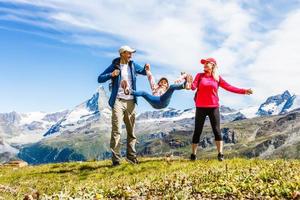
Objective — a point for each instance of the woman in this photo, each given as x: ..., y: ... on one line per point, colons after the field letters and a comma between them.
x: 207, y: 103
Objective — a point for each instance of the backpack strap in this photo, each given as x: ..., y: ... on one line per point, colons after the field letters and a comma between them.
x: 116, y: 64
x: 199, y: 79
x: 130, y: 63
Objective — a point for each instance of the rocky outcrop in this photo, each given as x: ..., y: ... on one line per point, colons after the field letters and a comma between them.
x: 269, y: 127
x: 266, y: 145
x: 229, y: 136
x: 9, y: 118
x: 16, y: 163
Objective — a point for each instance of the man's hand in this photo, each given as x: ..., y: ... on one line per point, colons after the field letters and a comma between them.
x: 249, y: 91
x: 147, y: 67
x: 115, y: 73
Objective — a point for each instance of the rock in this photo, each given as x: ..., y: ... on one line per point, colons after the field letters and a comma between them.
x: 261, y: 148
x: 33, y: 196
x: 16, y: 163
x: 296, y: 195
x: 7, y: 189
x: 229, y: 136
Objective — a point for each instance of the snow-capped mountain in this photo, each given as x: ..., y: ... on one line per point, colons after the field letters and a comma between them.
x: 84, y: 132
x: 167, y: 113
x: 23, y: 128
x: 90, y: 111
x: 250, y: 112
x: 86, y: 127
x: 4, y: 147
x: 279, y: 104
x: 82, y: 115
x: 292, y: 103
x: 6, y: 151
x: 274, y: 104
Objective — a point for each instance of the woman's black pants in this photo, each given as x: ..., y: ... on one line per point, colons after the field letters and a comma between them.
x: 214, y: 117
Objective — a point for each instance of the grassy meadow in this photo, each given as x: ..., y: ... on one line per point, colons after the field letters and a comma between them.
x: 154, y: 178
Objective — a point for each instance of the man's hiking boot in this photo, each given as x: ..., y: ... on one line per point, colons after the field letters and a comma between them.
x: 193, y: 157
x: 133, y: 161
x: 220, y: 157
x: 115, y: 163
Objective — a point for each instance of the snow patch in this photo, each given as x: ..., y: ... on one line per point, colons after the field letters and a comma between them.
x: 26, y: 138
x: 250, y: 112
x: 77, y: 114
x: 7, y: 148
x: 27, y: 118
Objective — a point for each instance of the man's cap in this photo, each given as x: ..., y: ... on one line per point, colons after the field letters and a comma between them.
x: 126, y: 48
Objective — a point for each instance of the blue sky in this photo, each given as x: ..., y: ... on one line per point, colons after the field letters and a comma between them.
x: 52, y: 51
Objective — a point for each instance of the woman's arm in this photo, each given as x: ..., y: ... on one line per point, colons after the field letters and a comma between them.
x: 231, y: 88
x: 196, y: 82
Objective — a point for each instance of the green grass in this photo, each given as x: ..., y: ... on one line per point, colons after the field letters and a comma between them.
x: 155, y: 177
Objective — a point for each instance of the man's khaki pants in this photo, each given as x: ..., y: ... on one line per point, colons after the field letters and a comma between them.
x: 123, y: 110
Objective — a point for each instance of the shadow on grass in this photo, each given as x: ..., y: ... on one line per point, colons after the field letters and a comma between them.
x: 86, y: 167
x: 75, y: 169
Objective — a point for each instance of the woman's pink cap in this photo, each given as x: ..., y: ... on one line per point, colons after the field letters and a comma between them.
x: 204, y: 61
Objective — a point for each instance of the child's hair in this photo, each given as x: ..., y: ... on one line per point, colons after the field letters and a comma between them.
x: 163, y: 78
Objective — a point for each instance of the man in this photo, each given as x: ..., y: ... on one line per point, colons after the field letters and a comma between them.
x: 123, y: 106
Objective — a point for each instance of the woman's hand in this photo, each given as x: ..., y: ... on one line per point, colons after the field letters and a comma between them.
x: 249, y: 91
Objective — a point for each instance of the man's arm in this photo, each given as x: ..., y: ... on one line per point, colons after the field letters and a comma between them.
x: 106, y: 75
x: 139, y: 69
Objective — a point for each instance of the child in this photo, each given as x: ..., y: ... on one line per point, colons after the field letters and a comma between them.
x: 161, y: 92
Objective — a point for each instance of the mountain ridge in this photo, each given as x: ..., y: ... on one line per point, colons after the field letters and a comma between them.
x: 91, y: 120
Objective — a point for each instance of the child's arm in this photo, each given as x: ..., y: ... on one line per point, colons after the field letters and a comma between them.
x: 151, y: 80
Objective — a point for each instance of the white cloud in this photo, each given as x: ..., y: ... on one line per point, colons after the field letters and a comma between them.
x: 276, y: 67
x: 174, y: 35
x: 171, y: 33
